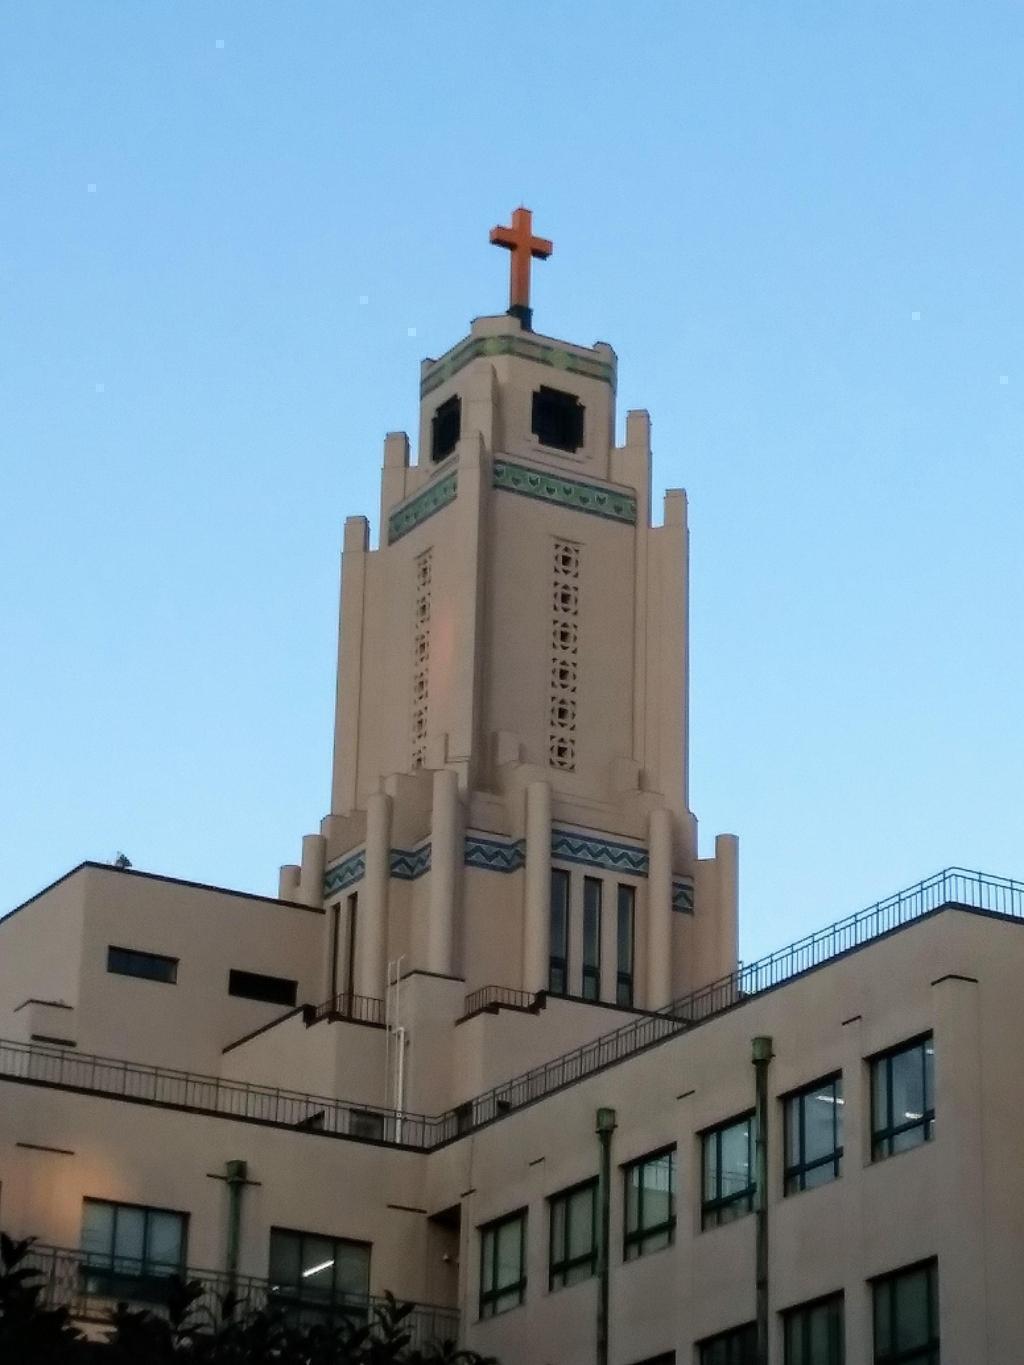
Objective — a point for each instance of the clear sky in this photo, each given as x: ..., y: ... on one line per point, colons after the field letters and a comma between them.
x: 230, y: 231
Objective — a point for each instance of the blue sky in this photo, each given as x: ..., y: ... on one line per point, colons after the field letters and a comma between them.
x: 230, y: 231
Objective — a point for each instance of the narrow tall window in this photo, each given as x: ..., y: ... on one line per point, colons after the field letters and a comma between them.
x: 557, y: 419
x: 902, y: 1098
x: 558, y: 962
x: 814, y: 1135
x: 573, y: 1235
x: 565, y: 606
x: 335, y: 947
x: 906, y: 1308
x: 650, y: 1220
x: 729, y: 1178
x: 421, y: 657
x: 591, y: 938
x: 813, y: 1333
x: 738, y: 1347
x: 445, y: 428
x: 626, y: 917
x: 503, y: 1264
x: 350, y: 945
x: 131, y: 1251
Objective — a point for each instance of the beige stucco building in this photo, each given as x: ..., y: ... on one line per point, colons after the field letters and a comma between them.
x: 489, y: 1048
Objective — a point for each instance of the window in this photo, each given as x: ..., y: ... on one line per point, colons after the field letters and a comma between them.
x: 275, y: 990
x: 907, y: 1317
x: 728, y: 1172
x: 131, y: 1252
x: 503, y: 1264
x: 573, y: 1243
x: 151, y: 966
x: 591, y: 938
x: 902, y: 1098
x: 445, y: 428
x: 308, y: 1270
x: 626, y: 916
x: 814, y: 1135
x: 558, y: 965
x: 650, y: 1204
x: 736, y: 1347
x: 557, y: 419
x: 813, y: 1333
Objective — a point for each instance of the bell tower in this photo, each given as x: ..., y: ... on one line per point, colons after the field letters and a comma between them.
x: 510, y: 801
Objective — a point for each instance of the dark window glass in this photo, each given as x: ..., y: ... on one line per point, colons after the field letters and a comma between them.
x: 151, y: 966
x: 445, y: 428
x: 814, y: 1135
x: 650, y: 1218
x: 275, y: 990
x: 902, y: 1098
x: 813, y: 1333
x: 558, y: 966
x: 906, y: 1308
x: 669, y: 1358
x: 625, y: 911
x: 557, y: 419
x: 503, y: 1264
x: 591, y: 938
x: 573, y: 1242
x: 736, y: 1347
x: 729, y: 1179
x: 312, y: 1275
x: 131, y: 1252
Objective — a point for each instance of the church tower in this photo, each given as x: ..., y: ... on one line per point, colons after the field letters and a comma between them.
x: 509, y: 800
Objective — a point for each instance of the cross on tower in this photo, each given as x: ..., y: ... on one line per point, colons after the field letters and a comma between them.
x: 520, y: 241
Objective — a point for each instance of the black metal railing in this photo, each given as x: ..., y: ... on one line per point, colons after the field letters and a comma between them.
x: 360, y: 1009
x: 89, y: 1289
x: 341, y: 1118
x: 491, y: 997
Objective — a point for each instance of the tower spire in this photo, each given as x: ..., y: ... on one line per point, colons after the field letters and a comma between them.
x: 523, y: 246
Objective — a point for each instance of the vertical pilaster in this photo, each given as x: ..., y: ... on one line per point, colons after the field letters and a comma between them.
x: 659, y: 909
x: 445, y: 844
x: 536, y: 919
x: 348, y: 699
x: 311, y: 877
x: 372, y: 915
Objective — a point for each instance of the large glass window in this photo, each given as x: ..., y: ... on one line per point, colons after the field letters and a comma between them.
x: 907, y: 1317
x: 131, y: 1251
x: 626, y: 916
x: 558, y: 963
x: 311, y: 1271
x: 650, y: 1222
x: 150, y: 966
x: 813, y: 1333
x: 573, y: 1235
x: 902, y: 1097
x: 728, y: 1164
x: 737, y: 1347
x: 591, y: 938
x: 814, y: 1135
x: 503, y: 1264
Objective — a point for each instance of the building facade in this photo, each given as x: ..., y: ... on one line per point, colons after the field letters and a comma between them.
x: 490, y: 1049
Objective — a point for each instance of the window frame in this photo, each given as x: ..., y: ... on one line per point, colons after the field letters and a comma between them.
x: 800, y: 1312
x: 625, y: 980
x: 141, y: 956
x: 559, y: 1268
x: 103, y: 1274
x: 927, y: 1354
x: 884, y: 1135
x: 593, y: 907
x: 559, y: 962
x: 712, y: 1207
x: 489, y: 1296
x: 291, y: 1296
x: 740, y: 1344
x: 794, y: 1174
x: 634, y: 1240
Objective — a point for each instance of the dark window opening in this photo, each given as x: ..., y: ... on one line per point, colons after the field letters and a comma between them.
x: 313, y: 1277
x: 813, y: 1333
x: 650, y: 1221
x: 275, y: 990
x: 573, y: 1243
x: 591, y: 938
x: 558, y: 962
x: 150, y: 966
x: 445, y: 428
x: 624, y: 966
x: 557, y: 419
x: 906, y: 1312
x: 503, y: 1265
x: 729, y: 1179
x: 902, y: 1098
x: 738, y: 1347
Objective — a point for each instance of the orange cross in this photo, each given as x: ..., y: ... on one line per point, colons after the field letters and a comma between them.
x: 523, y: 245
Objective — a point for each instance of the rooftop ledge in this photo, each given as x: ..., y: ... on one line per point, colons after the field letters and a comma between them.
x: 502, y: 335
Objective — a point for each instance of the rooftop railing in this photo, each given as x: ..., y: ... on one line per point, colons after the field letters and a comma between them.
x: 341, y: 1118
x: 91, y: 1286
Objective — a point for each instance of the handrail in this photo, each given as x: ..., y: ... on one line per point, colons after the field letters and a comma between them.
x: 490, y: 997
x: 359, y: 1009
x: 343, y: 1118
x: 76, y: 1278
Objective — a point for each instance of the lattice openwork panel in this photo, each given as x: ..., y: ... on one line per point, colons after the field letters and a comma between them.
x: 564, y: 683
x: 421, y: 657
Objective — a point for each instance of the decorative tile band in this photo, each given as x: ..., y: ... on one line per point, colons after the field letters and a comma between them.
x: 524, y: 346
x: 574, y: 493
x: 495, y: 855
x: 346, y: 873
x: 682, y: 897
x: 407, y: 865
x: 412, y: 514
x: 570, y: 847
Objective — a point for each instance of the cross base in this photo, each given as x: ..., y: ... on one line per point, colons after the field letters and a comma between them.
x: 524, y: 314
